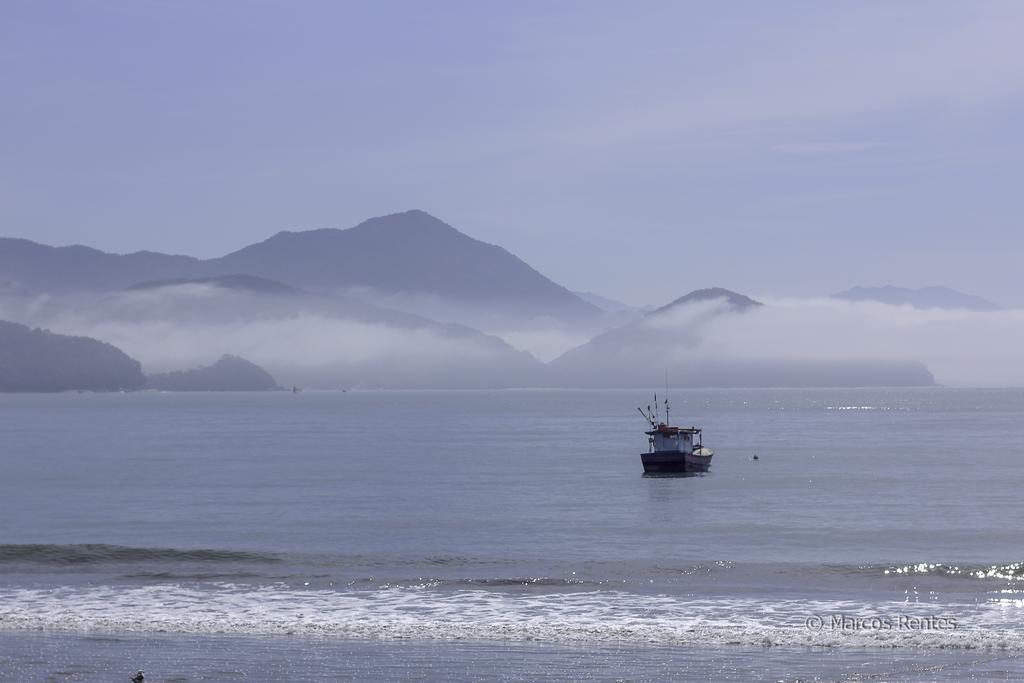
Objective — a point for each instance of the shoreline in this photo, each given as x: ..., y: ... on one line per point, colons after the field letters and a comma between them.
x: 88, y: 657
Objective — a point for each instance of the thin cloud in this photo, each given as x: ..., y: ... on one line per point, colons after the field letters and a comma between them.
x: 824, y: 148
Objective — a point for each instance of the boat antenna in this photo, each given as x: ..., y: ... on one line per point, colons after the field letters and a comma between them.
x: 667, y: 421
x: 657, y: 415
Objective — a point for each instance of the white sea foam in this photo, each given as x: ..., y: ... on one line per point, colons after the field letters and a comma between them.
x: 857, y: 408
x: 425, y: 613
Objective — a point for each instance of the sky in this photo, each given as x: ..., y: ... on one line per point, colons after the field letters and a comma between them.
x: 636, y: 150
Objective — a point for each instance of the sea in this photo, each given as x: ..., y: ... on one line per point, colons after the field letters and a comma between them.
x: 511, y: 535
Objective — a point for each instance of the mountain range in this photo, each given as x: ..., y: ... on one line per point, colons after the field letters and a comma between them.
x: 402, y: 254
x: 398, y: 301
x: 923, y: 298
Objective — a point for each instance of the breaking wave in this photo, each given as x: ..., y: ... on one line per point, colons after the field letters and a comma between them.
x: 97, y: 553
x: 426, y: 613
x: 111, y: 562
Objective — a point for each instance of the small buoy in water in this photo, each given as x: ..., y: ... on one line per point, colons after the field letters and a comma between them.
x: 755, y: 457
x: 139, y: 677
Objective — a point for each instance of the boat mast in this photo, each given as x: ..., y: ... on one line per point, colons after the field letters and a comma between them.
x: 667, y: 421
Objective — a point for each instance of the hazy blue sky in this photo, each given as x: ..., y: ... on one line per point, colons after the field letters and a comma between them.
x: 638, y: 150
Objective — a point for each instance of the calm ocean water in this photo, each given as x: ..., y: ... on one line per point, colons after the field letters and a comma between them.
x: 510, y: 534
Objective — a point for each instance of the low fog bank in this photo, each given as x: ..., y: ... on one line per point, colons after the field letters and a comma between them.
x: 959, y: 347
x: 805, y: 342
x: 327, y: 341
x: 310, y: 340
x: 318, y: 352
x: 543, y: 337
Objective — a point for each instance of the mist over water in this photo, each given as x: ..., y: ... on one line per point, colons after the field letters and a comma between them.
x: 315, y: 340
x: 321, y: 343
x: 959, y: 347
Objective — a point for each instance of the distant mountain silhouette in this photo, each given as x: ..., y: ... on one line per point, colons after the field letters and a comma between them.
x: 249, y: 283
x: 669, y: 339
x: 230, y: 373
x: 606, y: 304
x: 38, y: 360
x: 926, y: 297
x: 401, y: 254
x: 739, y: 302
x: 407, y: 253
x: 62, y: 269
x: 638, y: 333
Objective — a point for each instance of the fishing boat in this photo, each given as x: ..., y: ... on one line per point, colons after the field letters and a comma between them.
x: 672, y: 449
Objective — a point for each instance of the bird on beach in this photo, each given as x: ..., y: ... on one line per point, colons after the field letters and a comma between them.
x: 139, y: 677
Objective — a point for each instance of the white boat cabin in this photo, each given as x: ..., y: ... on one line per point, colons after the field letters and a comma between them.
x: 673, y: 439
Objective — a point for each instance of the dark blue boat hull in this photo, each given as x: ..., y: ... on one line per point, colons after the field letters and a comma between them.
x: 673, y: 461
